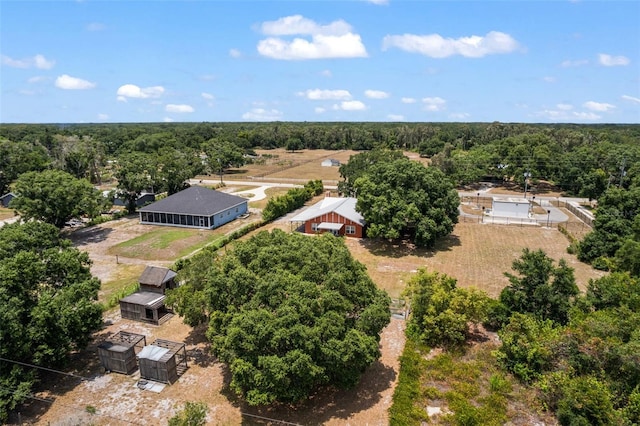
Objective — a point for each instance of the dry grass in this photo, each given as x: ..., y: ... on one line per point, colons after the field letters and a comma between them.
x: 6, y: 213
x: 476, y: 255
x: 271, y: 192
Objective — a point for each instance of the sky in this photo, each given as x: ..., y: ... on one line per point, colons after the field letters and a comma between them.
x: 553, y: 61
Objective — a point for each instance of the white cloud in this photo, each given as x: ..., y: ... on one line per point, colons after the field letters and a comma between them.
x: 565, y: 115
x: 73, y: 83
x: 235, y: 53
x: 598, y: 106
x: 350, y: 106
x: 436, y: 46
x: 103, y: 117
x: 179, y: 108
x: 334, y: 40
x: 133, y: 91
x: 395, y: 117
x: 549, y: 79
x: 586, y: 116
x: 326, y: 73
x: 574, y: 63
x: 298, y: 24
x: 434, y: 104
x: 564, y: 107
x: 37, y: 61
x: 321, y: 95
x: 631, y: 98
x: 408, y: 100
x: 207, y: 96
x: 459, y: 115
x: 168, y: 120
x: 96, y: 26
x: 376, y: 94
x: 37, y: 79
x: 261, y: 114
x: 612, y: 61
x: 379, y: 2
x: 321, y: 47
x: 319, y: 110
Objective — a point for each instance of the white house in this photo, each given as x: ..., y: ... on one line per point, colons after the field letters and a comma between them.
x: 510, y: 207
x: 330, y: 162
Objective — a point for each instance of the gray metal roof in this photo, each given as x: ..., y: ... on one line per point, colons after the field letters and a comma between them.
x: 345, y: 207
x: 148, y: 299
x: 195, y: 200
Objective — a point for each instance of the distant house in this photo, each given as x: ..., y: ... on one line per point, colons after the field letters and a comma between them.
x: 147, y: 304
x: 143, y: 198
x: 194, y: 207
x: 330, y: 162
x: 510, y: 207
x: 335, y: 215
x: 6, y: 199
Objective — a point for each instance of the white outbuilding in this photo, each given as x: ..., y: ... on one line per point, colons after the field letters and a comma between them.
x: 511, y: 207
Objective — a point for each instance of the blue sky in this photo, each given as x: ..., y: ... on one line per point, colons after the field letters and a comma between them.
x: 395, y: 60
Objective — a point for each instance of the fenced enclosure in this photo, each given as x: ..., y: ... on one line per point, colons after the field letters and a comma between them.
x: 163, y: 361
x: 118, y: 352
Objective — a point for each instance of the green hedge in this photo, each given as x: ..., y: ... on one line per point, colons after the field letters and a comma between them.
x: 293, y: 199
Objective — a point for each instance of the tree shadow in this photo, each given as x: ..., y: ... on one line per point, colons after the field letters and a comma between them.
x: 402, y: 247
x: 198, y: 347
x: 91, y: 235
x: 325, y: 404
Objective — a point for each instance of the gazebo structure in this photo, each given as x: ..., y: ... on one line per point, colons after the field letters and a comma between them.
x: 118, y: 352
x: 163, y: 361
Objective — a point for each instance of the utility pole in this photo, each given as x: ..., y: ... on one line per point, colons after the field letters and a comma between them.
x: 622, y: 173
x: 526, y: 175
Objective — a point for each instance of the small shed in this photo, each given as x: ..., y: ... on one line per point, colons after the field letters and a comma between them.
x: 118, y: 352
x: 6, y: 199
x: 510, y: 207
x: 163, y: 361
x: 157, y: 279
x: 147, y: 306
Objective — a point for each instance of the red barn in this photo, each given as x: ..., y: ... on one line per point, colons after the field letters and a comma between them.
x: 335, y: 215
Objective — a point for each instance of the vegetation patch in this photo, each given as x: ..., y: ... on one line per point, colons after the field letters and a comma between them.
x: 165, y: 243
x: 126, y: 277
x: 6, y: 213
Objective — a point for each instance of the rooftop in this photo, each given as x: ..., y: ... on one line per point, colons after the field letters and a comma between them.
x: 195, y: 200
x: 345, y: 207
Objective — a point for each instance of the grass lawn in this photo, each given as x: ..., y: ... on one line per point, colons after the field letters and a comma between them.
x: 125, y: 275
x: 6, y: 213
x: 271, y: 192
x: 165, y: 243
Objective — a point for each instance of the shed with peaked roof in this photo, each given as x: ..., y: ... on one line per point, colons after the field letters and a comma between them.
x: 335, y: 215
x: 146, y: 306
x: 194, y: 207
x: 6, y: 199
x: 163, y: 361
x: 157, y: 279
x: 118, y: 352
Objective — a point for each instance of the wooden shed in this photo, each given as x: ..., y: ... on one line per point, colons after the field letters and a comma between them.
x: 118, y: 352
x: 145, y: 306
x: 163, y: 361
x: 157, y: 279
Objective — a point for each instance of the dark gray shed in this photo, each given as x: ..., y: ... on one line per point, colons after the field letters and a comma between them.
x: 118, y: 352
x: 157, y: 279
x: 145, y: 306
x: 6, y: 199
x: 163, y: 361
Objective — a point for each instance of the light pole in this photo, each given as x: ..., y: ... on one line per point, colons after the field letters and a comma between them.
x: 548, y: 214
x: 478, y: 200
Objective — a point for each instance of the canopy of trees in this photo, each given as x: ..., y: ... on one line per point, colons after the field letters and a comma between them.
x: 288, y: 313
x: 55, y: 196
x: 47, y: 305
x: 403, y: 197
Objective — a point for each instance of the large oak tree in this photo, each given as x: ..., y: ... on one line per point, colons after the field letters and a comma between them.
x: 287, y: 313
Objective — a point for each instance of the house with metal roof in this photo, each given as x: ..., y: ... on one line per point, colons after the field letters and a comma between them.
x: 333, y: 214
x: 194, y: 207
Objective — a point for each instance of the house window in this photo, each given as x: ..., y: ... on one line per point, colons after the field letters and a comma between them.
x: 350, y: 229
x: 236, y: 210
x: 314, y: 227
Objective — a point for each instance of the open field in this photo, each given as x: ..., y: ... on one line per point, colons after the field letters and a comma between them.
x: 6, y: 213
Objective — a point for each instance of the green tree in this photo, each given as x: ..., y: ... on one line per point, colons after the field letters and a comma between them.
x: 176, y: 167
x: 405, y: 198
x: 541, y: 288
x: 54, y: 196
x: 294, y: 144
x: 440, y: 312
x: 47, y: 305
x: 136, y: 173
x: 17, y: 158
x: 222, y: 155
x: 193, y: 414
x: 288, y: 314
x: 360, y: 164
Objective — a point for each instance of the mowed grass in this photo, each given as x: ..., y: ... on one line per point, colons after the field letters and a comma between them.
x: 271, y: 193
x: 124, y: 276
x: 476, y: 255
x: 165, y: 243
